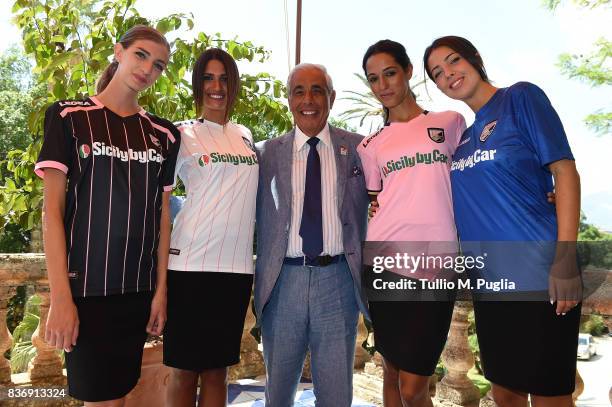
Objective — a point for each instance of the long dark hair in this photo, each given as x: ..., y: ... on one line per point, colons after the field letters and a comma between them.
x: 137, y: 32
x: 396, y: 50
x: 461, y: 46
x: 231, y: 71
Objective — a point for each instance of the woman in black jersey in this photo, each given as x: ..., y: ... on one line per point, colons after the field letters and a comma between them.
x: 108, y: 167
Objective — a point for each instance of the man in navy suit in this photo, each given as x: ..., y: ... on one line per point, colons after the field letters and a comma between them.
x: 311, y: 220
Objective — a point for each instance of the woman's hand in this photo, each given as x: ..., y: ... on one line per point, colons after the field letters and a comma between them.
x: 564, y: 280
x: 62, y: 327
x: 158, y: 316
x: 566, y: 293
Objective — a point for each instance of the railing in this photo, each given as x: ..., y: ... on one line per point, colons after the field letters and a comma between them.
x: 45, y: 370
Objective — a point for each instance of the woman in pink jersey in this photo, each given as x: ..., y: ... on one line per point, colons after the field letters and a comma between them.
x: 211, y: 252
x: 108, y: 167
x: 406, y: 166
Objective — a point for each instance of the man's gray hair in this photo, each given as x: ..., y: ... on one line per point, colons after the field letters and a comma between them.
x: 328, y: 79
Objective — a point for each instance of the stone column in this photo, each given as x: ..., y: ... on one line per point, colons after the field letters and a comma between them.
x: 251, y: 360
x: 375, y: 366
x: 458, y: 359
x: 36, y: 239
x: 306, y: 370
x: 361, y: 355
x: 47, y: 365
x: 368, y: 385
x: 6, y: 340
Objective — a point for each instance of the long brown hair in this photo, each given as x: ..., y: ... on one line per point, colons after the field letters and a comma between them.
x: 462, y: 47
x: 137, y: 32
x: 395, y: 50
x: 231, y: 71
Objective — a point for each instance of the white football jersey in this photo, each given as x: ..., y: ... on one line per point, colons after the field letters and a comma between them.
x: 213, y: 232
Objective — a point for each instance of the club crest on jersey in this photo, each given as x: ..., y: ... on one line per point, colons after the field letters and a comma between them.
x: 154, y: 140
x: 436, y: 134
x: 84, y: 151
x: 248, y: 144
x: 487, y: 130
x: 203, y: 160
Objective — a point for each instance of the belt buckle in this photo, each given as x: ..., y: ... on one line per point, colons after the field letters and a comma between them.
x: 325, y: 260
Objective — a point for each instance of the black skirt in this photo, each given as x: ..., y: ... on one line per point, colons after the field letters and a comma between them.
x: 105, y: 363
x: 527, y: 347
x: 412, y: 334
x: 206, y: 312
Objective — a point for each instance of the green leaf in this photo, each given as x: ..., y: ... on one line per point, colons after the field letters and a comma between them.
x: 162, y: 26
x: 58, y: 60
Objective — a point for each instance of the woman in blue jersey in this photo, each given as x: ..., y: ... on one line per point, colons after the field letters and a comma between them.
x: 211, y: 252
x: 107, y: 167
x: 505, y: 163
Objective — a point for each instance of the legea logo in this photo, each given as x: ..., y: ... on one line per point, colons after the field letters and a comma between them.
x: 84, y: 151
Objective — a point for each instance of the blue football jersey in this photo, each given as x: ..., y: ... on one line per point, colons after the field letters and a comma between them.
x: 500, y: 176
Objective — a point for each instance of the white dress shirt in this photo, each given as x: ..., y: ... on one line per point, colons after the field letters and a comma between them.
x: 332, y: 227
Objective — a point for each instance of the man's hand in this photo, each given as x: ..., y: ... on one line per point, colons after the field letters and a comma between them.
x: 372, y: 209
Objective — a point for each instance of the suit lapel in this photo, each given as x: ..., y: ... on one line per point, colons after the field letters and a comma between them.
x: 341, y: 154
x: 285, y: 166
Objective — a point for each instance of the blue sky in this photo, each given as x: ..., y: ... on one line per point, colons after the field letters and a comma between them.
x: 519, y: 41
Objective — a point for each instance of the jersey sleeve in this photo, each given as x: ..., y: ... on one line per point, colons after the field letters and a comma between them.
x: 459, y: 130
x: 370, y: 167
x: 246, y: 132
x: 183, y: 154
x: 57, y: 143
x: 169, y: 164
x: 541, y: 124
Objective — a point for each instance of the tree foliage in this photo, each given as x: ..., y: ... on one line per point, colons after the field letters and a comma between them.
x: 595, y: 245
x: 17, y: 92
x: 71, y: 42
x: 552, y: 4
x: 592, y: 68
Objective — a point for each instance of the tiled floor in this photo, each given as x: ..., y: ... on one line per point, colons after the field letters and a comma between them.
x: 250, y: 393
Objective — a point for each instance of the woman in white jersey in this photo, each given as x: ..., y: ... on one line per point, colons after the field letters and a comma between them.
x: 108, y: 168
x: 406, y: 166
x: 211, y: 252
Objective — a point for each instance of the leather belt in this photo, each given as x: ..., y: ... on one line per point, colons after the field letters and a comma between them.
x: 320, y: 261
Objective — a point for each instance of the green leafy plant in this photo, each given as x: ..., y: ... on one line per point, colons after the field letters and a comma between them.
x: 594, y: 325
x: 23, y: 351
